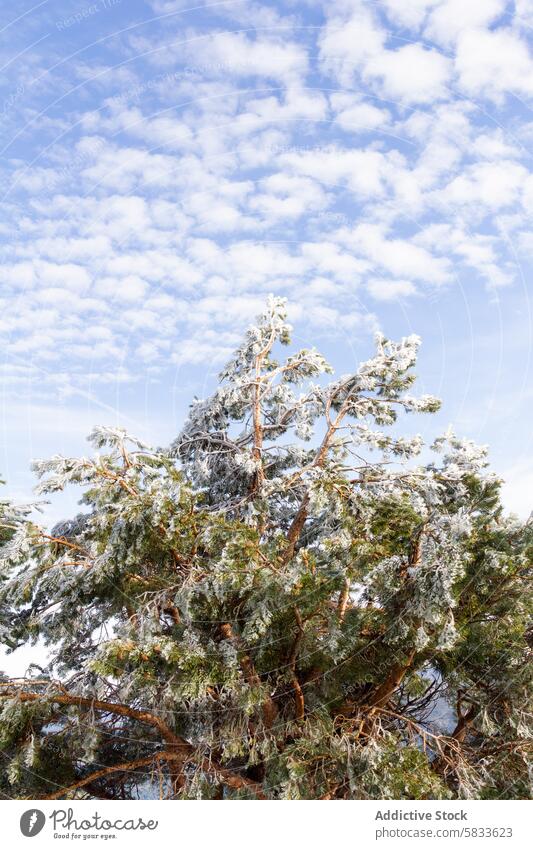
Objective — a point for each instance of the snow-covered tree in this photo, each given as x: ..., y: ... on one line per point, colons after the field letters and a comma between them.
x: 281, y: 605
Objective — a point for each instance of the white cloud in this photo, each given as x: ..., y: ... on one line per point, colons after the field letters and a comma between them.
x: 283, y: 197
x: 493, y: 63
x: 69, y: 276
x: 354, y: 115
x: 389, y: 290
x: 347, y: 43
x: 409, y: 13
x: 229, y: 54
x: 486, y: 186
x: 527, y: 196
x: 450, y: 18
x: 20, y: 275
x: 162, y: 7
x: 128, y: 288
x: 476, y: 250
x: 411, y: 74
x: 524, y: 12
x: 364, y: 172
x: 161, y: 131
x: 82, y: 250
x: 126, y: 169
x: 231, y: 174
x: 494, y: 145
x: 399, y: 257
x: 450, y: 122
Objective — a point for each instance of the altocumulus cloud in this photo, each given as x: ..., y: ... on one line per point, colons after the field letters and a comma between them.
x: 165, y: 168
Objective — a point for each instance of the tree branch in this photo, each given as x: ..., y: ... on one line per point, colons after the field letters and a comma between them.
x: 270, y: 710
x: 180, y: 749
x: 343, y: 600
x: 107, y: 707
x: 293, y: 656
x: 127, y: 766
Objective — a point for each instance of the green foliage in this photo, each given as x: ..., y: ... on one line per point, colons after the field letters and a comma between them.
x: 281, y: 605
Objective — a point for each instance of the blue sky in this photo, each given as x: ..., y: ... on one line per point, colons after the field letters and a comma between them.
x: 165, y: 165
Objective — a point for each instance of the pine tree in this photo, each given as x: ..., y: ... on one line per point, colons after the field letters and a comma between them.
x: 279, y: 606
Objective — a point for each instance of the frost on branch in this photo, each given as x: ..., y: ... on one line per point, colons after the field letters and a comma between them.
x: 276, y: 607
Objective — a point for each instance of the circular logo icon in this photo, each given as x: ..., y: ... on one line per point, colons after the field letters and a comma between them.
x: 32, y: 822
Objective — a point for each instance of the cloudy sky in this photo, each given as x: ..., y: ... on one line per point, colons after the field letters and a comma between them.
x: 165, y: 165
